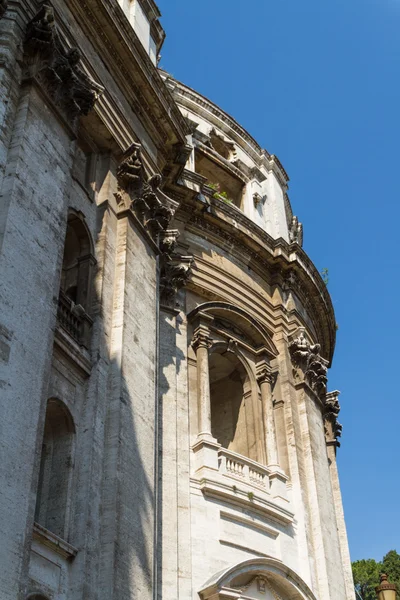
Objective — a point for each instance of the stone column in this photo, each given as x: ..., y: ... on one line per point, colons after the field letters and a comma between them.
x: 206, y: 448
x: 201, y: 343
x: 264, y: 378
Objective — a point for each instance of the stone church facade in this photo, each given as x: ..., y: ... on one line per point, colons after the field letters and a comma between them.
x: 166, y: 430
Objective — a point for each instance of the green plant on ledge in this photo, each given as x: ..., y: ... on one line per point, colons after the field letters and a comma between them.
x: 218, y: 194
x: 250, y: 496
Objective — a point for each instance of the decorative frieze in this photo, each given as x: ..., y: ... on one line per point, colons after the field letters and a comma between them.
x: 56, y: 67
x: 307, y: 357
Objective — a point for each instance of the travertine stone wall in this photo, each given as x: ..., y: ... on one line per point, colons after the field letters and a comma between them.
x: 156, y: 508
x: 35, y: 185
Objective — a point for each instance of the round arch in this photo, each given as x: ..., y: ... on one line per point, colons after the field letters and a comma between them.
x: 243, y: 578
x: 224, y: 347
x: 259, y: 335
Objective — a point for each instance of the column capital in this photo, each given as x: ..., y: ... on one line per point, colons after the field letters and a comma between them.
x: 201, y: 338
x: 264, y: 373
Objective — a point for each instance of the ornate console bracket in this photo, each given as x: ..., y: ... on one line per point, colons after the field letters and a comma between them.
x: 333, y: 429
x: 154, y: 210
x: 56, y: 68
x: 306, y: 357
x: 175, y: 269
x: 296, y: 232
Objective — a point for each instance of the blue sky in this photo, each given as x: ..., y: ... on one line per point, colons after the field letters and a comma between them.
x: 318, y: 84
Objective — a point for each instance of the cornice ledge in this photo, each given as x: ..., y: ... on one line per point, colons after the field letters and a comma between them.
x: 97, y: 12
x: 182, y: 91
x: 274, y: 254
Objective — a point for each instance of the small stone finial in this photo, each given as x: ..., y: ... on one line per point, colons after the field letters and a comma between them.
x: 385, y: 590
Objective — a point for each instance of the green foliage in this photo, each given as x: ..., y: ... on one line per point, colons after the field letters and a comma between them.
x: 366, y: 574
x: 325, y: 275
x: 250, y: 496
x: 366, y: 577
x: 218, y: 194
x: 391, y: 566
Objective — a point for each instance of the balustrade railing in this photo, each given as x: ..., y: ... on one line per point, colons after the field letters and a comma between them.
x: 73, y: 318
x: 242, y: 468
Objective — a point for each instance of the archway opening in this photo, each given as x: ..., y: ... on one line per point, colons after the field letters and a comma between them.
x: 231, y: 411
x: 52, y: 500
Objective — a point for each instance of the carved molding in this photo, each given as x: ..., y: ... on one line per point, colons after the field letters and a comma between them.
x: 56, y: 67
x: 306, y: 357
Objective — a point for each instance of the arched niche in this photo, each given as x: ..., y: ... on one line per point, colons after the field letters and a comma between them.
x: 232, y: 411
x: 55, y: 473
x: 76, y: 277
x: 230, y: 345
x: 257, y: 579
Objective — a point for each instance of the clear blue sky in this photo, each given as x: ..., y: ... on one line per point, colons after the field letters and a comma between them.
x: 318, y: 84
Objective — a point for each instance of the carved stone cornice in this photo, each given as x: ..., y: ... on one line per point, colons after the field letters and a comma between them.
x: 333, y: 429
x: 57, y: 68
x: 282, y: 264
x: 306, y: 356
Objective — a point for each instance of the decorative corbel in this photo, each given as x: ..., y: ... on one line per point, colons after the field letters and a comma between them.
x: 175, y: 269
x: 257, y: 199
x: 306, y: 356
x: 57, y: 67
x: 333, y: 429
x: 144, y: 197
x: 296, y: 232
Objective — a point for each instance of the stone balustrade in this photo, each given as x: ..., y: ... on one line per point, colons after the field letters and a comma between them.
x: 243, y: 469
